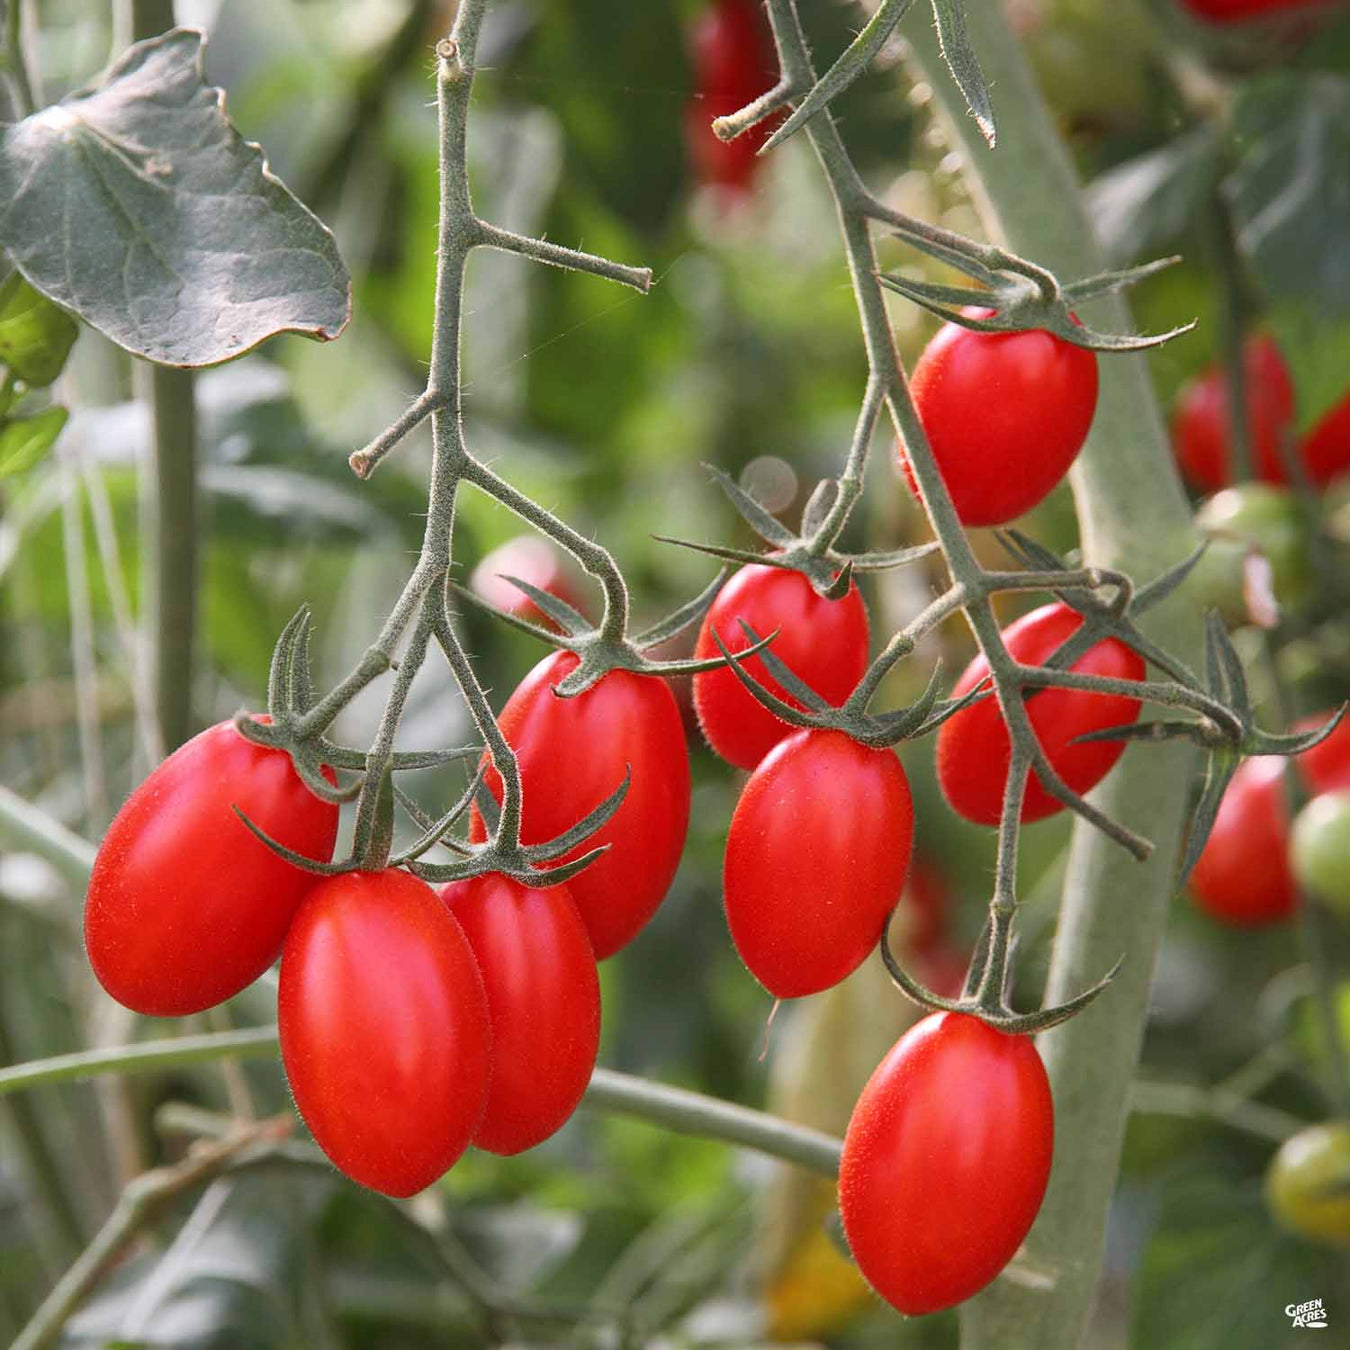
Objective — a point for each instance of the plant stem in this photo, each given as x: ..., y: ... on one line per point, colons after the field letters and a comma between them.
x: 171, y: 396
x: 672, y: 1107
x: 1133, y: 517
x: 29, y: 827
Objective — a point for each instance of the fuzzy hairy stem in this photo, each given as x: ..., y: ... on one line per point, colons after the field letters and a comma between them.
x: 1133, y: 517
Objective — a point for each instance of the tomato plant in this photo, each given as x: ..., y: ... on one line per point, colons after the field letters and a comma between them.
x: 1326, y: 767
x: 816, y: 858
x: 1239, y: 11
x: 734, y: 62
x: 1320, y: 849
x: 1308, y: 1183
x: 1243, y: 876
x: 973, y: 751
x: 823, y: 642
x: 1005, y: 414
x: 385, y: 1032
x: 573, y: 753
x: 1201, y: 436
x: 543, y: 996
x: 946, y: 1161
x: 185, y: 906
x: 1325, y: 451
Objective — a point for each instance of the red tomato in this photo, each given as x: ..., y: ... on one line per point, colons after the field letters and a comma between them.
x: 185, y: 906
x: 816, y: 859
x: 543, y: 997
x: 1326, y: 767
x: 1005, y: 414
x: 1243, y: 875
x: 1326, y: 450
x: 928, y: 903
x: 1200, y: 434
x: 734, y: 63
x: 946, y: 1161
x: 973, y: 750
x: 572, y: 754
x: 384, y: 1029
x: 823, y: 642
x: 1238, y: 11
x: 531, y: 559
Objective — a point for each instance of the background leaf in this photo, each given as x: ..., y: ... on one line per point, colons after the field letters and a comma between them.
x: 25, y: 440
x: 35, y: 336
x: 137, y: 205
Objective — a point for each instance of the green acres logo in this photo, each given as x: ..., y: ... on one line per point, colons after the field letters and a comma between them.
x: 1310, y: 1314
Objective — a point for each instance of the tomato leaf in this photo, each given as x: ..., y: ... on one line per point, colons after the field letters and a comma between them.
x: 35, y: 336
x: 1293, y: 177
x: 136, y: 204
x: 25, y: 440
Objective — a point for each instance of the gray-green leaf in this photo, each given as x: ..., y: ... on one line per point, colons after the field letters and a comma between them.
x: 25, y: 440
x: 137, y: 205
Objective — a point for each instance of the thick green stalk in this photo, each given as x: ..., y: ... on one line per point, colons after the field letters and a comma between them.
x: 1133, y: 516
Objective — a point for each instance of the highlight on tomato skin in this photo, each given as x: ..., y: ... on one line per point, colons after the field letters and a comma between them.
x: 1005, y: 415
x: 543, y: 996
x: 385, y: 1031
x: 823, y: 642
x: 945, y: 1161
x: 816, y: 859
x: 973, y: 749
x: 573, y: 753
x: 185, y: 907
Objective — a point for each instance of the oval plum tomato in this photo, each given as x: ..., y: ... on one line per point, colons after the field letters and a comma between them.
x: 946, y: 1161
x: 1325, y: 451
x: 1005, y: 414
x: 384, y: 1029
x: 531, y: 559
x: 973, y: 750
x: 572, y: 754
x: 1326, y: 767
x: 1308, y: 1183
x: 1243, y: 875
x: 1320, y: 850
x: 816, y: 859
x: 734, y: 62
x: 543, y: 998
x: 1200, y: 431
x: 823, y: 642
x: 185, y: 906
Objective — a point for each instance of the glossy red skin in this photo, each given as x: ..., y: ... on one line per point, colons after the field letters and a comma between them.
x: 572, y: 754
x: 1326, y: 450
x: 734, y: 62
x: 945, y: 1161
x: 185, y: 906
x: 1326, y: 767
x: 973, y: 751
x: 1005, y: 414
x: 1243, y: 875
x: 1238, y: 11
x: 1200, y: 435
x: 384, y: 1029
x: 533, y: 560
x: 816, y: 858
x: 543, y: 997
x: 823, y: 642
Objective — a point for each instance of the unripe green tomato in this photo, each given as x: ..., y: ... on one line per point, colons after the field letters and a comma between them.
x: 1308, y: 1183
x: 1252, y: 515
x: 1320, y: 849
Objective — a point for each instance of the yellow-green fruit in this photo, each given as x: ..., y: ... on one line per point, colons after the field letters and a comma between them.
x: 1239, y: 519
x: 1320, y: 849
x: 1308, y: 1183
